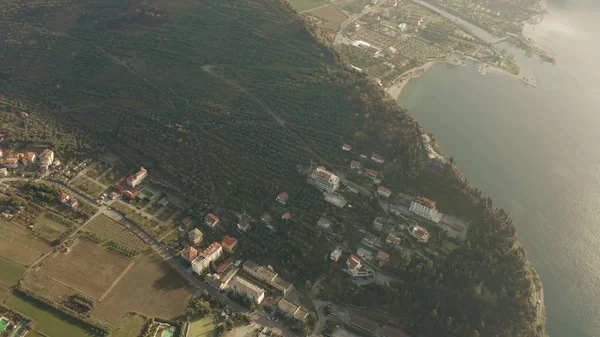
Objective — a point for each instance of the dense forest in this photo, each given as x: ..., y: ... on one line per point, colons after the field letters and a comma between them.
x: 224, y: 98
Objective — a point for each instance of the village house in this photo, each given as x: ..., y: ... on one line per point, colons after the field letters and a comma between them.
x: 346, y: 147
x: 282, y: 198
x: 286, y: 216
x: 377, y: 158
x: 46, y: 158
x: 189, y: 253
x: 229, y: 243
x: 68, y: 200
x: 211, y: 220
x: 186, y: 221
x: 195, y: 236
x: 336, y: 254
x: 383, y: 191
x: 267, y: 218
x: 324, y: 223
x: 354, y: 264
x: 382, y: 257
x: 243, y: 224
x: 355, y: 165
x: 378, y: 223
x: 372, y: 173
x: 137, y: 178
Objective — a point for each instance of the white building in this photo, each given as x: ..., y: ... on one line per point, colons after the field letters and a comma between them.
x: 195, y: 236
x: 419, y: 233
x: 324, y: 180
x: 425, y: 208
x: 46, y: 158
x: 136, y: 178
x: 336, y: 254
x: 248, y: 289
x: 212, y: 253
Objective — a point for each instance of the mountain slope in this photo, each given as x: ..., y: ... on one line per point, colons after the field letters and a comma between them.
x: 224, y: 98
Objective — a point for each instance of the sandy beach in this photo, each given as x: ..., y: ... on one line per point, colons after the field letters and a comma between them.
x: 395, y: 89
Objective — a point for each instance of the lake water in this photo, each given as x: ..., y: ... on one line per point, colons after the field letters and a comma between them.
x: 536, y: 152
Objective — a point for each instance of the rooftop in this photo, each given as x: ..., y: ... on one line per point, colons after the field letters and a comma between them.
x: 372, y: 172
x: 283, y: 196
x: 355, y: 163
x: 229, y: 241
x: 322, y: 174
x: 383, y: 189
x: 189, y: 253
x: 223, y: 266
x: 424, y: 201
x: 267, y: 218
x: 383, y: 256
x: 186, y: 221
x: 211, y: 249
x: 211, y: 218
x: 354, y: 262
x: 286, y: 216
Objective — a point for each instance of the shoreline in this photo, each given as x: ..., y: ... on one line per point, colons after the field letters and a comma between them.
x: 396, y: 88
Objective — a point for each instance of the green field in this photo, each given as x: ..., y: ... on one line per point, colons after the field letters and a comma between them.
x: 203, y: 327
x: 51, y: 226
x: 304, y: 5
x: 10, y: 273
x: 47, y: 320
x: 87, y: 186
x: 111, y: 177
x: 97, y: 170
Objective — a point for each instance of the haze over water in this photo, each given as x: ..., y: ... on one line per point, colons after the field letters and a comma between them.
x: 536, y: 152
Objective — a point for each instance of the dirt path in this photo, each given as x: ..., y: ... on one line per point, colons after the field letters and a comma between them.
x: 116, y: 281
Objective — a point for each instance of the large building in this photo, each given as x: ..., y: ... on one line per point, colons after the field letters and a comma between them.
x: 222, y: 280
x: 203, y: 260
x: 324, y: 180
x: 248, y: 289
x: 425, y: 208
x: 419, y: 233
x: 46, y: 158
x: 267, y: 275
x: 292, y: 309
x: 137, y: 178
x: 354, y: 264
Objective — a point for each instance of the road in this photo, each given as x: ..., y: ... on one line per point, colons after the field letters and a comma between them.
x: 161, y: 250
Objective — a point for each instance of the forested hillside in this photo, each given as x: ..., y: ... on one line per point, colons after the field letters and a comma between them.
x: 224, y: 98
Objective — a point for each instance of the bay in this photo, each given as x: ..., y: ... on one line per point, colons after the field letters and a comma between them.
x: 535, y: 152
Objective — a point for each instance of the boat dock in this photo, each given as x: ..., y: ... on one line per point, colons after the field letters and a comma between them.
x: 529, y: 79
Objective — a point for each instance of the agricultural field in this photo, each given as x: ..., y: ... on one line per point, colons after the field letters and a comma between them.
x: 129, y: 326
x: 19, y: 244
x: 49, y: 288
x: 10, y: 274
x: 48, y: 320
x: 111, y: 177
x: 88, y: 186
x: 304, y: 5
x: 331, y: 15
x: 88, y: 267
x: 96, y: 170
x: 106, y: 229
x: 150, y: 287
x: 50, y: 226
x: 203, y: 327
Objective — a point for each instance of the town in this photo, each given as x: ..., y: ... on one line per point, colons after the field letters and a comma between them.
x: 132, y: 225
x: 396, y: 40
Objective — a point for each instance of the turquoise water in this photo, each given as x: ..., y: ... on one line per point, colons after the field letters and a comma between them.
x: 536, y: 153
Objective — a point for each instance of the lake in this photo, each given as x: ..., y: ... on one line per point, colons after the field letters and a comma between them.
x: 535, y: 152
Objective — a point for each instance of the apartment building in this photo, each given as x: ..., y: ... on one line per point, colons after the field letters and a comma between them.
x: 248, y: 289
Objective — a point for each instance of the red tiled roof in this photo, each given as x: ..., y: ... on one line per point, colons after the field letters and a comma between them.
x: 186, y: 221
x: 211, y: 218
x: 63, y: 197
x: 283, y: 196
x: 424, y: 201
x: 229, y: 241
x: 353, y: 261
x: 286, y: 216
x: 383, y: 189
x: 210, y: 249
x: 347, y: 146
x: 189, y: 253
x: 355, y: 163
x: 372, y: 172
x: 244, y: 223
x: 383, y: 256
